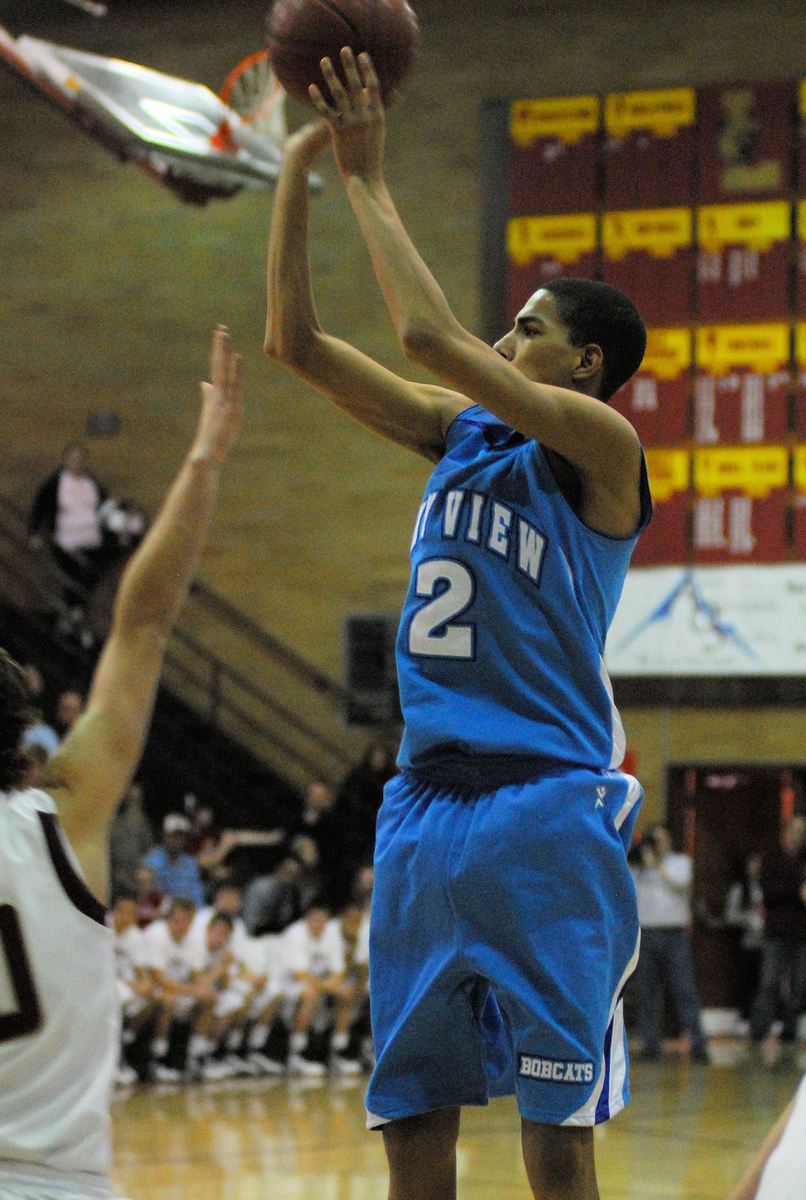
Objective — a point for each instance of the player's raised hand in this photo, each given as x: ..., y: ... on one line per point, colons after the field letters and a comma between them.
x: 355, y: 114
x: 222, y: 406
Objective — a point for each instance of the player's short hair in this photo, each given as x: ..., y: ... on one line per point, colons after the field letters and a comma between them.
x: 181, y: 904
x: 222, y: 918
x: 16, y: 714
x: 593, y: 311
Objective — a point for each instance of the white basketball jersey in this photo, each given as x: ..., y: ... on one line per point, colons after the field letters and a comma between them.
x: 59, y: 1034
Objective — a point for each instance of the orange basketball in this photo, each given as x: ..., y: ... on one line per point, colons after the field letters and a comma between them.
x: 301, y: 32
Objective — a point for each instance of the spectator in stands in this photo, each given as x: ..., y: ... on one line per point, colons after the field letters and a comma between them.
x: 65, y: 517
x: 352, y: 927
x: 744, y: 914
x: 357, y: 804
x: 227, y: 901
x: 310, y: 881
x: 150, y: 900
x: 136, y: 988
x: 37, y: 759
x: 316, y: 989
x: 783, y: 950
x: 220, y: 1026
x: 130, y: 839
x: 185, y: 998
x: 69, y: 708
x: 272, y: 902
x: 39, y: 733
x: 318, y: 819
x: 177, y: 872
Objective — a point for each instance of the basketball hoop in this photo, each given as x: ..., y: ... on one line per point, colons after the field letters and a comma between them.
x: 252, y: 91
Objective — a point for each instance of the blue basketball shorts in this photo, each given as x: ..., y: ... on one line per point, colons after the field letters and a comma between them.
x: 503, y: 931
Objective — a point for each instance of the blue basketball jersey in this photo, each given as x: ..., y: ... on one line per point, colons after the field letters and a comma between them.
x: 500, y: 645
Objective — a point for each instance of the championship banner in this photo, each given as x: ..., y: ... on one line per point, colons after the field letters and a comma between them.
x: 656, y: 399
x: 541, y: 248
x: 743, y: 260
x: 649, y: 151
x: 649, y: 253
x: 732, y: 621
x: 742, y: 383
x: 553, y: 154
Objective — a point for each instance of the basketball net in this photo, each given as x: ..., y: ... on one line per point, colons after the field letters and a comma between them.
x: 252, y: 91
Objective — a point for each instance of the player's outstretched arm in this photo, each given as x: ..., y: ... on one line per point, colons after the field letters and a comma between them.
x: 594, y: 438
x: 89, y: 772
x: 411, y: 414
x: 748, y: 1187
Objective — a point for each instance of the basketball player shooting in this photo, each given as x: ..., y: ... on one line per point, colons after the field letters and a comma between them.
x: 59, y: 1036
x: 504, y: 923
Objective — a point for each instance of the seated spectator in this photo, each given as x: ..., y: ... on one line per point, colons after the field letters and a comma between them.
x: 136, y: 988
x: 177, y: 872
x: 358, y: 800
x: 150, y: 900
x: 227, y: 901
x: 262, y: 959
x: 185, y: 998
x: 318, y: 820
x: 69, y: 707
x: 352, y: 927
x: 130, y: 839
x: 317, y: 993
x: 310, y: 883
x: 272, y: 902
x: 39, y: 732
x: 214, y: 849
x: 37, y: 759
x: 221, y: 1025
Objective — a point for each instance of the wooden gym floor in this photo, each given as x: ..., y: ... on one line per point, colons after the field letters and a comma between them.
x: 688, y: 1134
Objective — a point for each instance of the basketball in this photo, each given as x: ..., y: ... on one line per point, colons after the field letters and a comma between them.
x: 301, y: 32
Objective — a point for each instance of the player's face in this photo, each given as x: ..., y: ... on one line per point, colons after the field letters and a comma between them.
x: 179, y: 923
x: 539, y: 344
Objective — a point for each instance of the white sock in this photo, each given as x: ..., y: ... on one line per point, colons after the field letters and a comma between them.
x: 339, y: 1042
x: 234, y: 1039
x: 159, y: 1047
x: 298, y: 1042
x: 199, y: 1046
x: 258, y: 1037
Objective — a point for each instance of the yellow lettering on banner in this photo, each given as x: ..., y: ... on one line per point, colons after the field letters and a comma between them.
x: 669, y: 472
x: 566, y: 119
x: 663, y: 112
x: 562, y: 238
x: 801, y: 211
x: 758, y: 226
x: 799, y: 468
x: 668, y: 353
x: 762, y: 348
x: 754, y: 470
x: 802, y: 91
x: 800, y: 344
x: 660, y: 232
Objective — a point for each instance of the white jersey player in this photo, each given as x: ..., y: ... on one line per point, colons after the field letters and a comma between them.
x: 59, y: 1024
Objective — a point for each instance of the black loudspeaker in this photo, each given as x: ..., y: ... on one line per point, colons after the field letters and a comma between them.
x: 368, y: 669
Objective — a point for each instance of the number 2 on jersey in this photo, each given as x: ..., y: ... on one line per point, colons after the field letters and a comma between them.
x: 449, y: 588
x: 24, y: 1014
